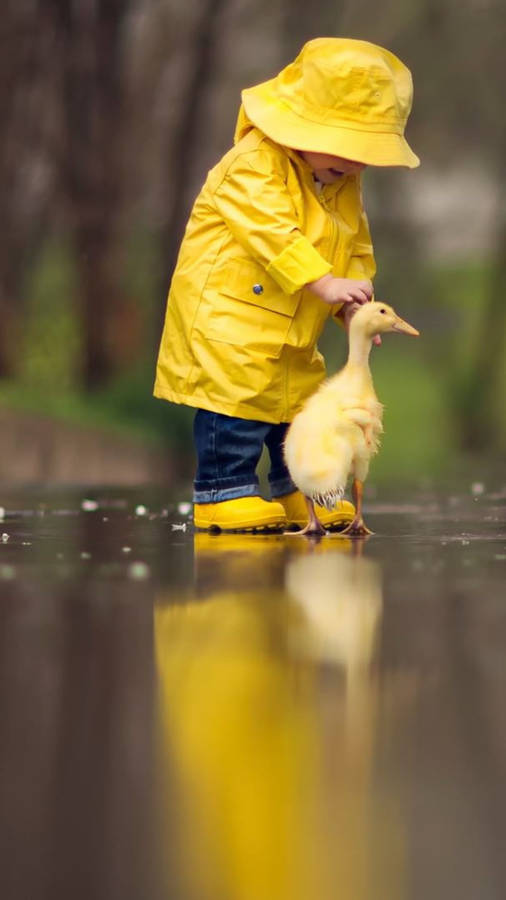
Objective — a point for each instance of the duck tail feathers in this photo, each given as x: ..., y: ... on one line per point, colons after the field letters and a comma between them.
x: 328, y: 499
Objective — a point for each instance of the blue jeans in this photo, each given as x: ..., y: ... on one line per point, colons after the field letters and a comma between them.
x: 228, y: 451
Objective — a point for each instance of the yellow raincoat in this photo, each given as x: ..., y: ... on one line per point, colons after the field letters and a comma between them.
x: 241, y: 331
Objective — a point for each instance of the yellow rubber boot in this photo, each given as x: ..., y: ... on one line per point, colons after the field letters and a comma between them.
x: 334, y: 520
x: 242, y: 514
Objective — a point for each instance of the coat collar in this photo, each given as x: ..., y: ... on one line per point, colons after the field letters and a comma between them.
x: 328, y: 190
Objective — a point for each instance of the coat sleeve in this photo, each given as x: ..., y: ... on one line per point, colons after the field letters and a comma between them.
x: 254, y: 202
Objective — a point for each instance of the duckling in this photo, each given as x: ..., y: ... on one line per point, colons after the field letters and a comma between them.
x: 338, y: 429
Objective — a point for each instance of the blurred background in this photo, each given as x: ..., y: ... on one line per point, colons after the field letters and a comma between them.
x: 111, y: 114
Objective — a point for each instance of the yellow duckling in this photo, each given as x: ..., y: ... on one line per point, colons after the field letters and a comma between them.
x: 338, y: 429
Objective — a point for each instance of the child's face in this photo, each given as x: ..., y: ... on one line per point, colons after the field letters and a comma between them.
x: 328, y: 168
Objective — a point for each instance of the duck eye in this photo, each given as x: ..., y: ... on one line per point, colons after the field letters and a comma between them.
x: 382, y: 310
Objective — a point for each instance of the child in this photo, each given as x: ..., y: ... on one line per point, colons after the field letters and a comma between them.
x: 276, y: 243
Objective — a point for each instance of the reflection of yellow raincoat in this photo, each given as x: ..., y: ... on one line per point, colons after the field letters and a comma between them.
x: 267, y: 759
x: 240, y: 333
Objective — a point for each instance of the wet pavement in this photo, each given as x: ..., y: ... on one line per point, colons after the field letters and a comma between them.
x: 202, y: 717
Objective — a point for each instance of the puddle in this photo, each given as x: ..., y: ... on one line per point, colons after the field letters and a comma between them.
x: 238, y: 716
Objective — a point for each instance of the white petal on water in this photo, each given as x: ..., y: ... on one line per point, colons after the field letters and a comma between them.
x: 477, y: 488
x: 126, y: 549
x: 178, y: 526
x: 184, y: 508
x: 89, y: 505
x: 5, y: 537
x: 2, y: 513
x: 141, y: 510
x: 85, y: 555
x: 139, y: 571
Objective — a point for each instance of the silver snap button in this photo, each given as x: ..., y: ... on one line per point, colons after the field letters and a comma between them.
x: 258, y: 289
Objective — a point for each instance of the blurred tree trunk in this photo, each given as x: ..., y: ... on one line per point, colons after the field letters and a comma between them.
x: 10, y: 78
x: 479, y: 398
x: 21, y: 86
x: 302, y: 22
x: 183, y: 145
x: 480, y: 404
x: 89, y: 44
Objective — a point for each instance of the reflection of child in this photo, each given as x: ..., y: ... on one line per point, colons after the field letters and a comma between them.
x: 276, y: 243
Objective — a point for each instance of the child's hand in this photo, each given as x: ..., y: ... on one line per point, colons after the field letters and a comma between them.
x: 341, y: 290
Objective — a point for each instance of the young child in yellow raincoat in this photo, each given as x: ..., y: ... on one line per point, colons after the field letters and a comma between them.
x: 277, y: 242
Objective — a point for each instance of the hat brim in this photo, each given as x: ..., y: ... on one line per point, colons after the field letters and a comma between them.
x: 278, y: 121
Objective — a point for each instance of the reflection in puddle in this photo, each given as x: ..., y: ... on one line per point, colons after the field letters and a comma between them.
x: 268, y: 702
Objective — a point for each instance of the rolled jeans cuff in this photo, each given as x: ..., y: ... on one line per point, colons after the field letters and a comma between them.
x: 282, y: 486
x: 217, y: 495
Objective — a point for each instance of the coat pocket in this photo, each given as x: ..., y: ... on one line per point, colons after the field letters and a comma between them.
x: 242, y: 305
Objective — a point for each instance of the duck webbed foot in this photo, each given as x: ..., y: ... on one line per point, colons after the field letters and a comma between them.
x: 357, y: 528
x: 314, y: 527
x: 310, y: 530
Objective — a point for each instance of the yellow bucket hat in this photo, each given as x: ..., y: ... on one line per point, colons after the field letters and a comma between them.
x: 340, y: 96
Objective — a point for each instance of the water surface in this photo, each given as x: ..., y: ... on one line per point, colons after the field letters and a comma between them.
x: 200, y: 717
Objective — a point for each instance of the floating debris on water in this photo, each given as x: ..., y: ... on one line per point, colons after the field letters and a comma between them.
x: 105, y: 518
x: 477, y: 488
x: 89, y: 505
x: 178, y: 526
x: 138, y: 571
x: 2, y: 513
x: 5, y: 537
x: 126, y: 549
x: 141, y: 510
x: 85, y: 555
x: 26, y: 543
x: 184, y: 508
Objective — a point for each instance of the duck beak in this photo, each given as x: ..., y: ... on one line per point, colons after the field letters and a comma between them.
x: 404, y: 327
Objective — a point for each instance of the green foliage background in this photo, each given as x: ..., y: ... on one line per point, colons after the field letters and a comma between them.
x: 421, y: 383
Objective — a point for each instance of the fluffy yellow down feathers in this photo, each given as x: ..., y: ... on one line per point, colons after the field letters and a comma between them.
x: 338, y: 430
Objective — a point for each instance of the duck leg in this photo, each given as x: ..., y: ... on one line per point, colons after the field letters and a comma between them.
x: 357, y: 527
x: 314, y: 526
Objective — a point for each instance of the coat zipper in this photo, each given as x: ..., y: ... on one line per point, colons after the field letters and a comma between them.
x: 334, y: 234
